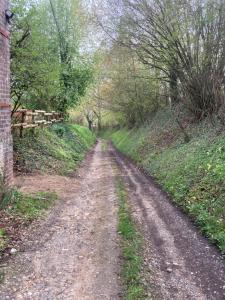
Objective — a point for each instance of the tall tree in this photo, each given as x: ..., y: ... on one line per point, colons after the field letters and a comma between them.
x: 48, y: 69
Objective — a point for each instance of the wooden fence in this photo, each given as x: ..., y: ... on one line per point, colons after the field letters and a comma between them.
x: 23, y: 119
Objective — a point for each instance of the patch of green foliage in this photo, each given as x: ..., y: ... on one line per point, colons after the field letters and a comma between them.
x: 56, y: 149
x: 192, y: 173
x: 35, y: 59
x: 131, y: 249
x: 28, y: 206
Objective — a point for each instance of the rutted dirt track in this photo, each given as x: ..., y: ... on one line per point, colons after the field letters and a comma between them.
x: 184, y: 265
x: 74, y: 253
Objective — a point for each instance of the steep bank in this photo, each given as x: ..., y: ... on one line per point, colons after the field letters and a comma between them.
x: 192, y: 173
x: 57, y: 149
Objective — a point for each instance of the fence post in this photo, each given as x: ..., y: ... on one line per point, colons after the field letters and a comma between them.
x: 32, y: 121
x: 22, y: 121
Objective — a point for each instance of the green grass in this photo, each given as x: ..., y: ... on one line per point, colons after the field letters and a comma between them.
x: 131, y: 249
x: 28, y: 206
x: 32, y: 206
x: 192, y: 173
x: 56, y: 149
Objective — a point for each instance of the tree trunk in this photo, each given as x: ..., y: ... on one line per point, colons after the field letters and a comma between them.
x: 174, y: 95
x: 89, y: 124
x: 99, y: 124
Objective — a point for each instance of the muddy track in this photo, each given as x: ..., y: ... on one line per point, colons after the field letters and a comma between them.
x: 184, y: 264
x: 73, y: 254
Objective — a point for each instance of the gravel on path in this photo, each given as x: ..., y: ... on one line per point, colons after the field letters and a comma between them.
x: 74, y: 253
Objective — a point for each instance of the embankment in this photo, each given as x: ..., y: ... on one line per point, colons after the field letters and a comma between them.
x: 192, y: 173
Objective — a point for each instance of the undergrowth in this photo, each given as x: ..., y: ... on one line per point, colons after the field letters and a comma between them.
x: 192, y: 173
x: 131, y: 249
x: 56, y: 149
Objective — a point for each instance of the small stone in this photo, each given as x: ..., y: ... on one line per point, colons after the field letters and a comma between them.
x: 169, y: 270
x: 13, y: 251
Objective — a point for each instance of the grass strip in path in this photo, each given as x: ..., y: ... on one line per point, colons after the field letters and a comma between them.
x: 131, y: 244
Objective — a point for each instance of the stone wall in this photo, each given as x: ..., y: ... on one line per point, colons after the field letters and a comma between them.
x: 6, y: 153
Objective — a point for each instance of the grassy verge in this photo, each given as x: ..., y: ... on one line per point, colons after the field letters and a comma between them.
x: 192, y: 173
x: 17, y: 211
x: 57, y: 149
x: 131, y: 249
x: 29, y: 206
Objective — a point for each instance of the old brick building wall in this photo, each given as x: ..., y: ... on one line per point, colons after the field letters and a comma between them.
x: 6, y: 153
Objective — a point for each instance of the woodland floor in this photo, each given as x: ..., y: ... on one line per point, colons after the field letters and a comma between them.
x: 74, y: 252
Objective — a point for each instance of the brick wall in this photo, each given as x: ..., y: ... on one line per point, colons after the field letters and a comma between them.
x: 6, y: 153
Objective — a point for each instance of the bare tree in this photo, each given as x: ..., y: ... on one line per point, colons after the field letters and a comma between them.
x: 184, y: 41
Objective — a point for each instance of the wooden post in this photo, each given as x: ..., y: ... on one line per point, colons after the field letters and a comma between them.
x: 32, y: 121
x: 22, y: 121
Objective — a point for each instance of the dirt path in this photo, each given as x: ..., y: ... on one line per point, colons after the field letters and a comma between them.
x: 74, y: 253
